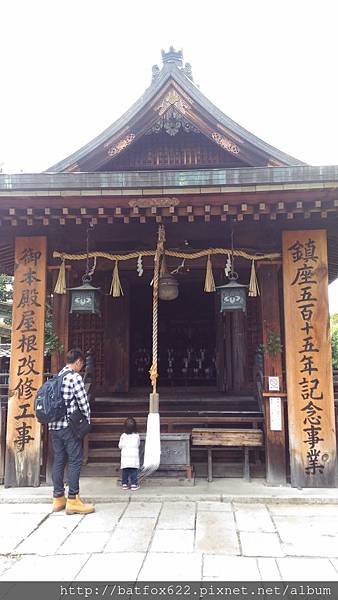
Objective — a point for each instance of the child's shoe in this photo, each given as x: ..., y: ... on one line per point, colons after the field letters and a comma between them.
x: 124, y: 486
x: 134, y: 487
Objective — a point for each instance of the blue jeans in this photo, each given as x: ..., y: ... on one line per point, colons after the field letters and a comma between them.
x: 66, y: 449
x: 129, y: 473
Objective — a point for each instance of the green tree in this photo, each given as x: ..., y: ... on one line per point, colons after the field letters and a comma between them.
x: 334, y: 340
x: 52, y: 342
x: 6, y: 294
x: 5, y: 288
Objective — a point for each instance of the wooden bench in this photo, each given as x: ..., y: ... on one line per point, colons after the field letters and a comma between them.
x: 213, y: 439
x: 108, y: 429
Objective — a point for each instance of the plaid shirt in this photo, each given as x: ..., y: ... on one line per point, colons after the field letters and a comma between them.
x: 75, y: 395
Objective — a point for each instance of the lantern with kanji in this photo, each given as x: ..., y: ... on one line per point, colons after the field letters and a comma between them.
x: 85, y: 299
x: 232, y: 295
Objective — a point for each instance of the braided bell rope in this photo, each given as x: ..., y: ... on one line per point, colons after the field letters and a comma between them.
x: 174, y: 253
x: 159, y: 251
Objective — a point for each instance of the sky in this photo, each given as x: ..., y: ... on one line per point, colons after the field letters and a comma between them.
x: 69, y: 68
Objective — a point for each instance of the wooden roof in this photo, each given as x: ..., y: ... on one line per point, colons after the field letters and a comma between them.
x: 172, y: 89
x: 171, y: 181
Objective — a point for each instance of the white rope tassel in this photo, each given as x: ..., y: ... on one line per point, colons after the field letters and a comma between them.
x: 253, y: 284
x: 60, y: 286
x: 152, y: 447
x: 209, y: 285
x: 116, y: 289
x: 139, y: 266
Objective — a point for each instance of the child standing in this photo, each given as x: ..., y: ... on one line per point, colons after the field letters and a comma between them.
x: 130, y: 461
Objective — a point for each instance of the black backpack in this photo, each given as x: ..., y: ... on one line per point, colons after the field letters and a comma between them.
x: 49, y: 403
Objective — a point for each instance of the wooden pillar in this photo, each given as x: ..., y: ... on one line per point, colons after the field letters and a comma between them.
x: 308, y: 360
x: 22, y: 467
x: 239, y: 350
x: 60, y: 325
x: 275, y: 450
x: 228, y: 353
x: 116, y: 342
x: 220, y: 348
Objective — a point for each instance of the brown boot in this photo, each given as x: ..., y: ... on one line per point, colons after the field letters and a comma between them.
x: 59, y: 503
x: 75, y: 506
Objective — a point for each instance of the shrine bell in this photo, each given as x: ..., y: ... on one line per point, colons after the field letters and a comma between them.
x: 85, y: 299
x: 167, y: 285
x: 232, y: 295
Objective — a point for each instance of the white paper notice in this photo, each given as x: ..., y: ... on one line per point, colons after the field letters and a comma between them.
x: 273, y: 384
x: 275, y: 414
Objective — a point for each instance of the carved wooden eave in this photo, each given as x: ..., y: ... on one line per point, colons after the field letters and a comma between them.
x: 173, y: 90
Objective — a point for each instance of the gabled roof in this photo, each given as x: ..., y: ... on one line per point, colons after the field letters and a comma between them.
x: 172, y: 88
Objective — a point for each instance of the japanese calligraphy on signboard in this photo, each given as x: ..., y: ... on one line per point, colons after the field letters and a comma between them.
x: 308, y: 359
x: 26, y: 365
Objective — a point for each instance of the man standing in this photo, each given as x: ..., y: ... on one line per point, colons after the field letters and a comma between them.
x: 68, y: 449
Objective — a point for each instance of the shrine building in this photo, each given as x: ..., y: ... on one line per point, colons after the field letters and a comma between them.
x: 247, y: 240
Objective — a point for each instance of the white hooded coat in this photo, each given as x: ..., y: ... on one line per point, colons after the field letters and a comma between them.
x: 129, y: 445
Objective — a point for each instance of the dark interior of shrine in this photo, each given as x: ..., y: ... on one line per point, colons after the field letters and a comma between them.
x: 187, y: 337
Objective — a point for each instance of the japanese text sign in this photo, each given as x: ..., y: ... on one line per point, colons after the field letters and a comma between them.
x: 308, y: 359
x: 26, y: 364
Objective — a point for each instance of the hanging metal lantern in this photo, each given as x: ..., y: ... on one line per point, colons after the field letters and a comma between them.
x: 167, y: 285
x: 85, y: 299
x: 232, y: 295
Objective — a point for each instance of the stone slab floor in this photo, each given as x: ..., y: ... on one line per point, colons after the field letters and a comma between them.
x: 202, y: 540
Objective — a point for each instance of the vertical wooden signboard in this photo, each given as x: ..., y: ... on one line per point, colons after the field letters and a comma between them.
x: 308, y: 360
x: 26, y: 366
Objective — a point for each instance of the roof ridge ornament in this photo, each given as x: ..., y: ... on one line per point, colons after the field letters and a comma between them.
x: 173, y: 56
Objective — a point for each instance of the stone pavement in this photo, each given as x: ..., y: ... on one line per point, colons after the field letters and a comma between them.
x: 163, y: 540
x: 105, y: 489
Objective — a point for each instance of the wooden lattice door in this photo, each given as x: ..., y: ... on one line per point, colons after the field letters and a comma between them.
x: 87, y: 332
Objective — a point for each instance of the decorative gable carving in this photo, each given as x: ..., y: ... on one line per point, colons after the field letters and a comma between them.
x: 171, y: 122
x: 225, y: 143
x: 172, y: 98
x: 121, y: 145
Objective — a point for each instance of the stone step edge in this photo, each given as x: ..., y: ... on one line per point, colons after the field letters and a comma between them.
x: 134, y: 497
